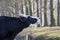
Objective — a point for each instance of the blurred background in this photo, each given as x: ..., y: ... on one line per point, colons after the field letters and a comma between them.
x: 47, y: 10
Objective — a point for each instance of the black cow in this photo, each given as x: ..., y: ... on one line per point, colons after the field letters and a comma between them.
x: 11, y: 26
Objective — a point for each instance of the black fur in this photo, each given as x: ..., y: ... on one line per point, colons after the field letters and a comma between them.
x: 11, y: 26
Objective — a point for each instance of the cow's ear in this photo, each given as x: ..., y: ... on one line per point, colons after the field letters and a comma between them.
x: 29, y: 18
x: 22, y: 19
x: 32, y: 20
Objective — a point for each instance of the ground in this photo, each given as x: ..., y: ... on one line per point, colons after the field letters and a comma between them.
x: 42, y: 33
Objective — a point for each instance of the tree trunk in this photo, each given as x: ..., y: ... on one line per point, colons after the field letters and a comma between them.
x: 52, y: 17
x: 45, y: 14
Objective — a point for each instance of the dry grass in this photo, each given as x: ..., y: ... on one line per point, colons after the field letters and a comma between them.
x: 46, y: 32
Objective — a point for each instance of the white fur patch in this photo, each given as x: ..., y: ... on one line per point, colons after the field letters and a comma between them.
x: 24, y: 15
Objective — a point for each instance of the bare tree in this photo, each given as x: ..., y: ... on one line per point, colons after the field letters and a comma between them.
x: 58, y: 13
x: 52, y: 16
x: 45, y: 14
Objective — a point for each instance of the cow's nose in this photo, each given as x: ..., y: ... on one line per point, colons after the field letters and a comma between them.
x: 38, y: 20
